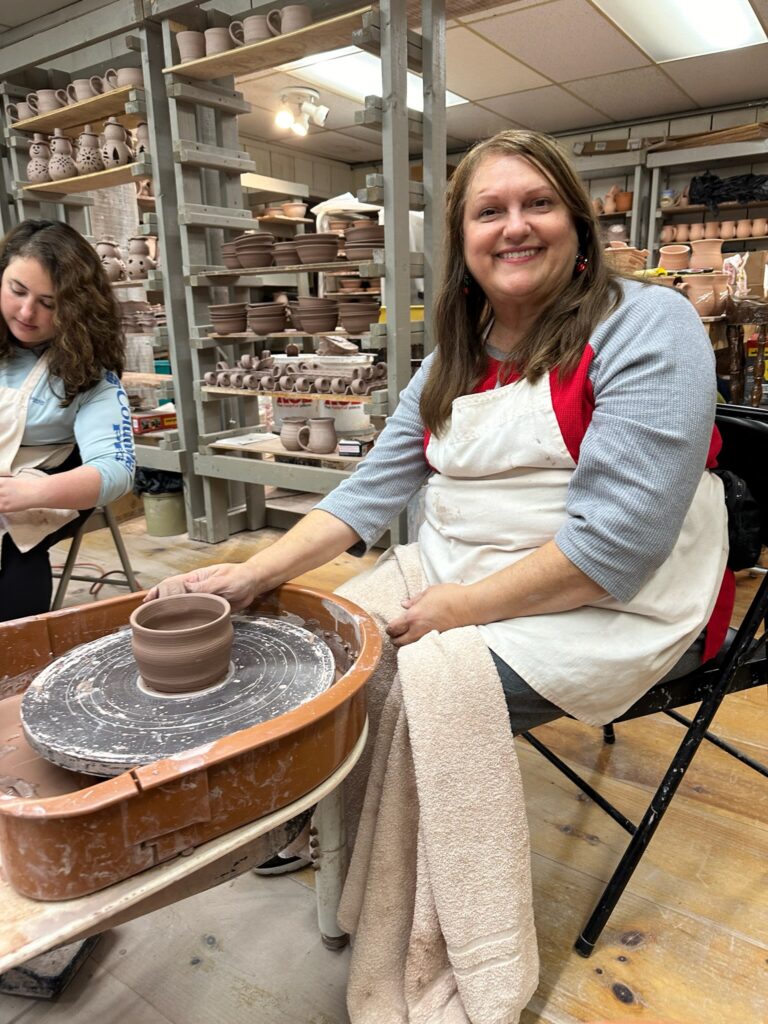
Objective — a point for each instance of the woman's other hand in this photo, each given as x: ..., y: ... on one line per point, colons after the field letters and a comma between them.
x: 442, y: 607
x: 17, y: 494
x: 237, y: 583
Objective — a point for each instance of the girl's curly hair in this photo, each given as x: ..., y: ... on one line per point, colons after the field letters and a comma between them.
x: 88, y: 335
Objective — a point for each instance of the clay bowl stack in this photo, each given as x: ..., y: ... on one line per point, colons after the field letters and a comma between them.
x: 229, y: 256
x: 357, y: 317
x: 362, y: 240
x: 266, y: 317
x: 285, y: 254
x: 320, y: 247
x: 254, y: 249
x: 315, y: 315
x: 228, y: 318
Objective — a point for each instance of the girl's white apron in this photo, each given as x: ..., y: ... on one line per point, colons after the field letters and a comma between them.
x: 28, y: 528
x: 499, y: 494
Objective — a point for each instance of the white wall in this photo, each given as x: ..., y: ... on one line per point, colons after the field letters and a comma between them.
x: 326, y: 178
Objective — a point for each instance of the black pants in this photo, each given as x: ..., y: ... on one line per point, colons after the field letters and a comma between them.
x: 25, y: 578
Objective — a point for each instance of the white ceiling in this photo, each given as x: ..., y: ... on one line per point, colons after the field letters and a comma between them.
x: 554, y: 65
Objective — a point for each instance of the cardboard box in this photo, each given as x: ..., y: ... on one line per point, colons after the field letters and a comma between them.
x: 144, y: 422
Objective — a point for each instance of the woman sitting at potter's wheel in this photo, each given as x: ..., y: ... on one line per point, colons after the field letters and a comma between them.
x: 65, y: 437
x: 564, y: 426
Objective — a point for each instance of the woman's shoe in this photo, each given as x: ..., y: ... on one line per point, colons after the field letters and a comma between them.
x: 278, y: 865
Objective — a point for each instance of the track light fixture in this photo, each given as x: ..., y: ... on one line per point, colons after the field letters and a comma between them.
x: 300, y: 107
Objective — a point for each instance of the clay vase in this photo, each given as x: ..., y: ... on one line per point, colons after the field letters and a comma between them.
x: 88, y: 157
x: 597, y: 206
x: 319, y: 436
x: 624, y: 201
x: 759, y: 227
x: 695, y: 232
x: 712, y: 229
x: 682, y: 232
x: 727, y: 229
x: 668, y: 233
x: 289, y: 432
x: 115, y: 152
x: 707, y: 292
x: 182, y: 643
x: 674, y: 257
x: 707, y: 254
x: 40, y: 154
x: 743, y: 228
x: 142, y: 139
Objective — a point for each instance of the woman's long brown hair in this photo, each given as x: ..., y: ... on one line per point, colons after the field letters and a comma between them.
x: 564, y: 325
x: 88, y: 336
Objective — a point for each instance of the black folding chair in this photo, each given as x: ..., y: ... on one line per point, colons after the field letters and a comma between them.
x: 740, y: 665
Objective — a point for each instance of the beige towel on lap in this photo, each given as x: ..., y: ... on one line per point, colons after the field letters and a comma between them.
x: 438, y: 894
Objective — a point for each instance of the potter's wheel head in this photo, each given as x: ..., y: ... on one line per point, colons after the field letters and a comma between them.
x: 89, y: 710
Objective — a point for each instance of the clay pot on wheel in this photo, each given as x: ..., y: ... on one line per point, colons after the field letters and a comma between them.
x: 182, y: 643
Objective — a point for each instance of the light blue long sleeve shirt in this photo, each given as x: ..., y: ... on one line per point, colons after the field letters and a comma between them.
x: 98, y: 421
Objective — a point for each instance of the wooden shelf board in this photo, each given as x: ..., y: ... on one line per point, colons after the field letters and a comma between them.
x: 330, y: 34
x: 700, y: 208
x: 146, y: 379
x: 273, y: 446
x: 283, y: 220
x: 250, y: 335
x: 89, y: 182
x: 75, y: 115
x: 302, y: 396
x: 331, y: 267
x: 618, y: 213
x: 355, y: 291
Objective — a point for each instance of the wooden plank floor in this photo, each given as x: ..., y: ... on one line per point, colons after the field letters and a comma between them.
x: 688, y: 942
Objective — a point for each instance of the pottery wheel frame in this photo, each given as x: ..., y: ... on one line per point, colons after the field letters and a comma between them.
x: 91, y: 712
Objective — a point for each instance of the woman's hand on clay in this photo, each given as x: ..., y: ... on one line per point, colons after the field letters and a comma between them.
x: 236, y: 583
x: 17, y: 494
x: 442, y: 607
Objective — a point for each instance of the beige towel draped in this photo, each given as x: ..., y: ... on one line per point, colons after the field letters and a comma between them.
x: 438, y: 895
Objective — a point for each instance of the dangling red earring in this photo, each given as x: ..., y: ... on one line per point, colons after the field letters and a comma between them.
x: 581, y: 264
x: 466, y: 284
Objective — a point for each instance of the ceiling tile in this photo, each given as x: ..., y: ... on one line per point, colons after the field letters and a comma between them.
x: 728, y: 77
x: 761, y: 10
x: 470, y: 122
x: 474, y: 67
x: 547, y: 110
x: 562, y: 39
x: 516, y: 5
x: 641, y: 92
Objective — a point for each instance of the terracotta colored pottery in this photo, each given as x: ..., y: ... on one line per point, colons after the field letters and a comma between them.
x: 294, y: 209
x: 289, y: 432
x: 707, y: 292
x: 88, y: 158
x: 727, y: 229
x: 668, y: 233
x: 319, y: 436
x: 682, y: 232
x: 712, y: 229
x: 609, y: 204
x: 597, y: 208
x: 695, y: 232
x: 707, y: 254
x: 624, y: 201
x: 743, y: 228
x: 40, y: 154
x: 62, y: 164
x: 115, y: 152
x: 182, y: 643
x: 759, y: 227
x: 674, y: 257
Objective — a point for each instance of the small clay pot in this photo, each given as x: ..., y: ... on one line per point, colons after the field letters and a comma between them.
x: 289, y: 431
x: 707, y: 254
x: 674, y: 257
x: 182, y: 643
x: 743, y: 228
x: 695, y: 232
x: 319, y: 436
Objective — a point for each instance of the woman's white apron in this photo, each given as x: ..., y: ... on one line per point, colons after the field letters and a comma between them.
x: 499, y: 494
x: 28, y: 528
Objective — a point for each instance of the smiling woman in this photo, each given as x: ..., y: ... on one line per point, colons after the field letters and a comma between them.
x: 63, y: 449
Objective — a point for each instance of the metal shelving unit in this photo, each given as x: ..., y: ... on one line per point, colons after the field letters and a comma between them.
x: 631, y: 165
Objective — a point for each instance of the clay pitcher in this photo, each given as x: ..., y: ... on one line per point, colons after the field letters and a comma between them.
x: 88, y: 157
x: 712, y: 229
x: 707, y: 254
x: 319, y: 436
x: 182, y: 643
x: 695, y: 232
x: 115, y: 152
x: 743, y: 228
x: 759, y: 227
x: 39, y: 155
x: 289, y: 432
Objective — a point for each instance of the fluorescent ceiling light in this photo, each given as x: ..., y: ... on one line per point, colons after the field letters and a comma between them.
x: 673, y: 29
x: 357, y: 74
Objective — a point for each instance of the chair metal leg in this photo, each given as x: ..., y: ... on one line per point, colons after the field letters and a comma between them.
x: 609, y: 736
x: 647, y: 827
x: 66, y: 572
x: 117, y: 538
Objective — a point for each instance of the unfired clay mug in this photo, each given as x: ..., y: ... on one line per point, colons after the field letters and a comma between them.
x: 81, y: 89
x: 20, y: 111
x: 289, y: 431
x: 217, y: 40
x: 250, y: 30
x: 319, y: 436
x: 289, y: 19
x: 48, y: 99
x: 191, y: 46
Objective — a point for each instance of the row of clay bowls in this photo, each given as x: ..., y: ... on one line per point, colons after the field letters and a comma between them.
x: 725, y: 229
x: 254, y: 29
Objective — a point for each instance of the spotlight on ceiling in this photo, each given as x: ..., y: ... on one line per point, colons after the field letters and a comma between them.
x: 300, y: 107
